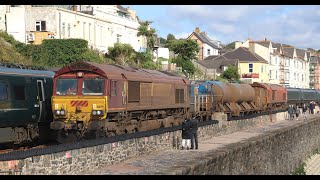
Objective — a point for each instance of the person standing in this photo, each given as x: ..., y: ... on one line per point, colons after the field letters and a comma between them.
x: 186, y: 134
x: 297, y: 111
x: 290, y: 112
x: 304, y: 112
x: 194, y: 139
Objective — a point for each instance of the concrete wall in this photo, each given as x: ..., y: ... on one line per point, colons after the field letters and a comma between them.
x: 276, y: 153
x: 74, y: 161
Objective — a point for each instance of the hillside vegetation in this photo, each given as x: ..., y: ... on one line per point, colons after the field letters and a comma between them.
x: 9, y: 54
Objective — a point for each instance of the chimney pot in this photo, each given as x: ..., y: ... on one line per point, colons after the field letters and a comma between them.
x: 197, y: 30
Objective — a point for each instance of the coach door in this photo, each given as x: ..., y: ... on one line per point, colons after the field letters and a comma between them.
x: 40, y: 105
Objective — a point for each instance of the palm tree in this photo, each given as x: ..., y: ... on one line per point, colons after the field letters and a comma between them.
x: 149, y: 33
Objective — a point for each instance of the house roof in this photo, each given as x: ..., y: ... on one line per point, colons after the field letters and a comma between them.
x: 218, y: 63
x: 308, y: 54
x: 300, y: 53
x: 244, y: 55
x: 211, y: 57
x: 288, y: 51
x: 276, y: 45
x: 264, y: 43
x: 205, y: 39
x: 224, y: 50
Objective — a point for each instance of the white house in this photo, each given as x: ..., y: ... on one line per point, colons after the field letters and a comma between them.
x: 101, y: 26
x: 208, y: 47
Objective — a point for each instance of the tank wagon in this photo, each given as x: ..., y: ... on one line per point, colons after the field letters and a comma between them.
x: 25, y: 105
x: 100, y: 99
x: 233, y: 99
x: 236, y: 99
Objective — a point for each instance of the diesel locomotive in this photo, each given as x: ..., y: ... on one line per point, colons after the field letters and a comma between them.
x: 91, y: 99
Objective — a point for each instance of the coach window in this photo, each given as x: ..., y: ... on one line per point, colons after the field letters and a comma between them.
x: 19, y: 93
x: 3, y: 91
x: 93, y: 87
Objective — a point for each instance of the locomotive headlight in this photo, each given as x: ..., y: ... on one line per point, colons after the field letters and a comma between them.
x: 98, y: 112
x: 94, y: 113
x: 62, y: 112
x: 58, y: 112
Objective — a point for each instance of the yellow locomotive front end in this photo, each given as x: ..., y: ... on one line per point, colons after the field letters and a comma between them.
x: 76, y: 112
x: 79, y: 103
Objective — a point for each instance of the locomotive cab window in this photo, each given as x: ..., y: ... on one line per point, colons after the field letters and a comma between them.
x: 66, y: 86
x: 93, y: 86
x: 3, y: 91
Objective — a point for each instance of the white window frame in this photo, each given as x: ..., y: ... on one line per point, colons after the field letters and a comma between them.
x: 250, y: 68
x: 39, y: 23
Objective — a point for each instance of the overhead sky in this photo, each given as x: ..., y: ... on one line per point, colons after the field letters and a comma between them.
x: 297, y: 25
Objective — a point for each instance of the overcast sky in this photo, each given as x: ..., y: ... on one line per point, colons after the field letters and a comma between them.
x: 297, y: 25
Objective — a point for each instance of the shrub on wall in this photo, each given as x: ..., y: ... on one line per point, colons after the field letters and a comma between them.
x: 61, y: 52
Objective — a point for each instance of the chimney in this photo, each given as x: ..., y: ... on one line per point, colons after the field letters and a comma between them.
x: 265, y: 39
x: 237, y: 44
x: 252, y: 46
x: 75, y: 8
x: 197, y: 30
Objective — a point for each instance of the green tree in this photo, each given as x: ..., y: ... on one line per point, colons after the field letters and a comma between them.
x: 187, y: 66
x: 123, y: 54
x: 150, y: 33
x: 185, y: 48
x: 231, y: 73
x: 163, y: 40
x: 231, y: 45
x: 170, y: 37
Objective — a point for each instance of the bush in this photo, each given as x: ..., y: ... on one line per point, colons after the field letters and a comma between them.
x: 61, y: 52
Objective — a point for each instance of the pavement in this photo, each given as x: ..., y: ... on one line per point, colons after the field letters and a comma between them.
x: 164, y: 162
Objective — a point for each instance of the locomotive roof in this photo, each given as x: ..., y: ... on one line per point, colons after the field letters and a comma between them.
x: 113, y: 71
x: 25, y: 72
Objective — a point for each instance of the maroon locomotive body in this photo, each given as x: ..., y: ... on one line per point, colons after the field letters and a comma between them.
x: 113, y: 99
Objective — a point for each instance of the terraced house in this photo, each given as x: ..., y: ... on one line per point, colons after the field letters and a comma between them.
x: 251, y: 66
x: 287, y: 65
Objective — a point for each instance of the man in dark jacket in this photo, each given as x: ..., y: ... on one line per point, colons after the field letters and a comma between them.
x: 186, y: 133
x: 194, y: 139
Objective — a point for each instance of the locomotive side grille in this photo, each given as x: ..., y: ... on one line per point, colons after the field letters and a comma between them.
x: 179, y: 96
x: 133, y: 91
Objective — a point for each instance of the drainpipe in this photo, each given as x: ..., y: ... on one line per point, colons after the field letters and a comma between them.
x: 59, y: 24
